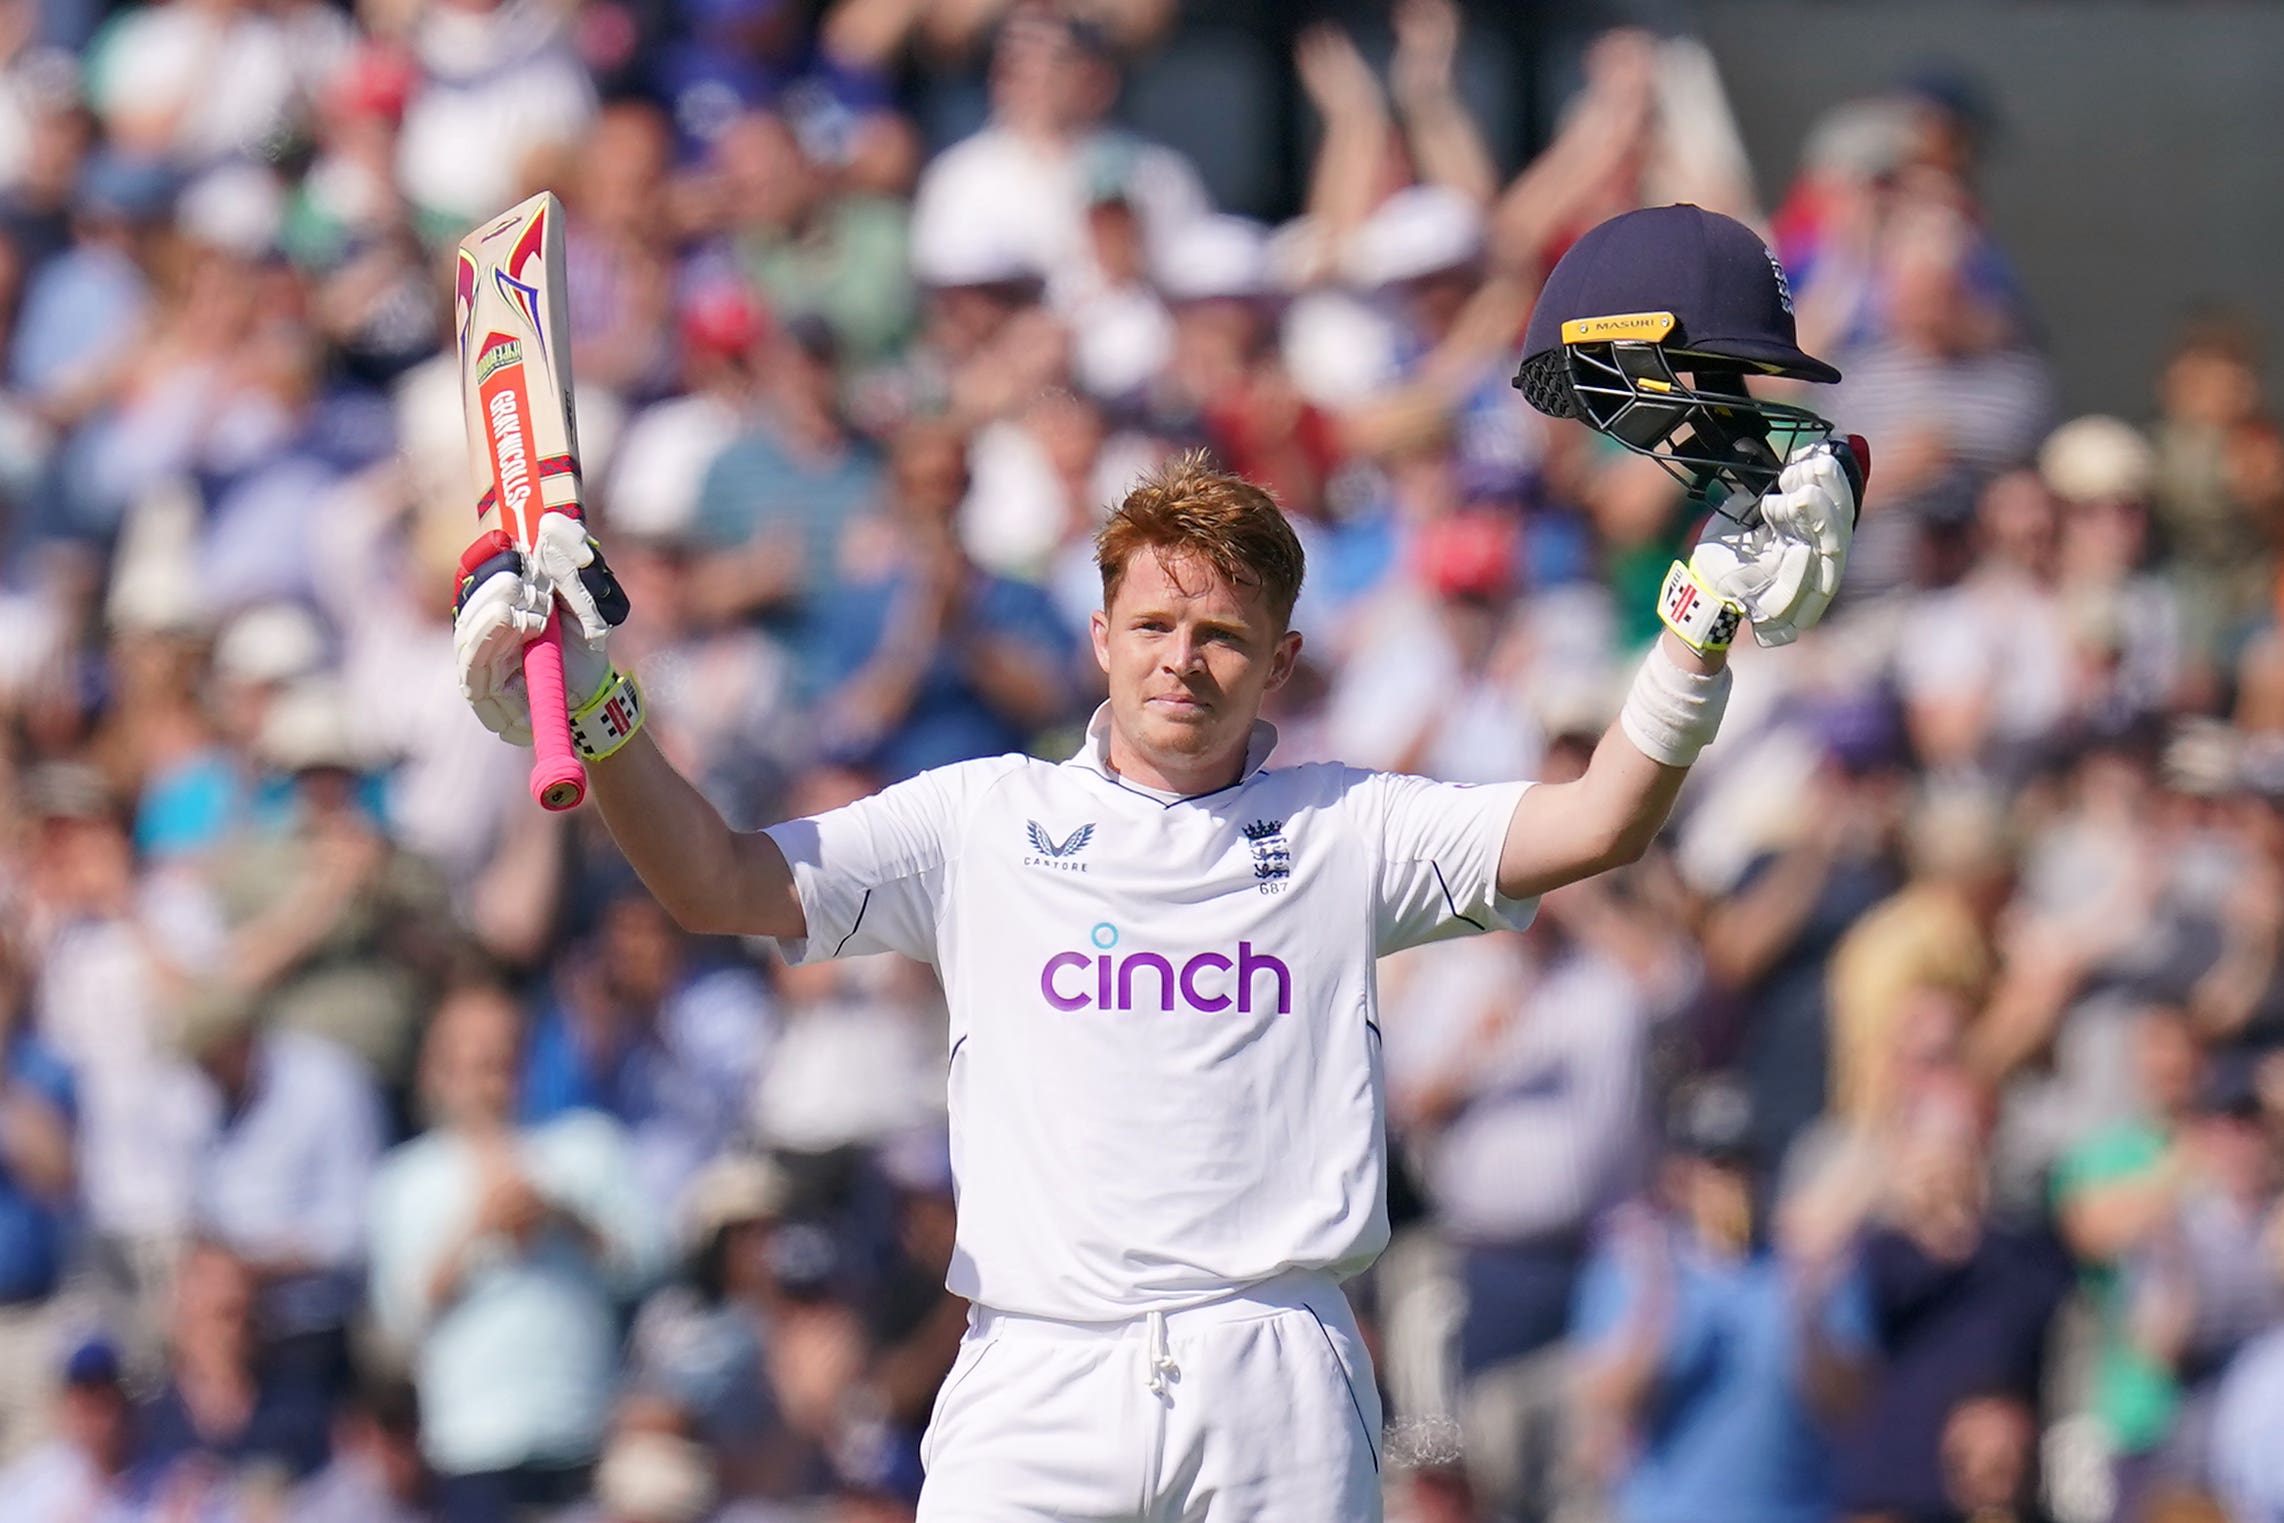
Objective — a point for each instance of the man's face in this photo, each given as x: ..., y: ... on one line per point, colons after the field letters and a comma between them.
x: 471, y: 1059
x: 1189, y: 656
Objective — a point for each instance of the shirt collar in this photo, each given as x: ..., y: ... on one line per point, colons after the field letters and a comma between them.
x: 1093, y: 753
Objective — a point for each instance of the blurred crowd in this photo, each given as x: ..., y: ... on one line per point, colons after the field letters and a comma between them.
x: 1903, y: 1140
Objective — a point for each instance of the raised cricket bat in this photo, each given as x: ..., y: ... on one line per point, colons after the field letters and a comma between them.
x: 523, y: 437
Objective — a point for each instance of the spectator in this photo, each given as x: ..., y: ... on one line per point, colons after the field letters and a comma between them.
x: 1997, y: 679
x: 377, y: 1474
x: 1711, y: 1359
x: 114, y: 948
x: 1485, y: 1071
x: 1961, y: 1301
x: 293, y: 1131
x: 38, y: 1185
x: 1769, y: 941
x: 1950, y: 388
x: 221, y: 1403
x: 930, y: 659
x: 780, y: 494
x: 501, y: 1256
x: 813, y: 248
x: 1026, y: 173
x: 648, y: 1029
x: 1931, y: 937
x: 703, y: 1340
x: 334, y: 928
x: 2116, y: 1195
x: 2216, y: 482
x: 89, y: 1468
x: 1990, y: 1461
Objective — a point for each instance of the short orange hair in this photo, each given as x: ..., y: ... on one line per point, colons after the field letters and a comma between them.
x: 1188, y: 507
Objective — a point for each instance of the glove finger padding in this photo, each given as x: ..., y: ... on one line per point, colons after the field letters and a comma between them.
x: 568, y: 558
x: 497, y: 618
x: 1785, y: 568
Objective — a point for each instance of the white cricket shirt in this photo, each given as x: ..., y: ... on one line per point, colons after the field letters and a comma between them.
x: 1165, y: 1053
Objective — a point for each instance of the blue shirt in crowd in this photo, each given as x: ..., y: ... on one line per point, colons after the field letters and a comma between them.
x: 1726, y: 1436
x: 680, y: 1083
x: 32, y: 1228
x: 948, y: 720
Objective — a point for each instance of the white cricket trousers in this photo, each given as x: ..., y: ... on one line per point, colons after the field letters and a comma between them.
x: 1259, y: 1408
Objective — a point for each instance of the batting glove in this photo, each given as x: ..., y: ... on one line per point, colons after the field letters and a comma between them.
x: 1780, y: 570
x: 501, y: 603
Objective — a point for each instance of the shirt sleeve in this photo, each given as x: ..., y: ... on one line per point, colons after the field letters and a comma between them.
x: 1439, y: 846
x: 871, y: 874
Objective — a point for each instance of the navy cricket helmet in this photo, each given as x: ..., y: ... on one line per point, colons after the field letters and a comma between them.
x: 1646, y: 330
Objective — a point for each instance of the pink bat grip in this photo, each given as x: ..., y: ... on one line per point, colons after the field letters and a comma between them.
x: 558, y: 780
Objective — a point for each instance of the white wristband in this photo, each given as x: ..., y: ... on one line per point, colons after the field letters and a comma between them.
x: 1671, y: 715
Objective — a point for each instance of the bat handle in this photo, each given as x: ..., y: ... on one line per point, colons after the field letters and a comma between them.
x: 558, y: 780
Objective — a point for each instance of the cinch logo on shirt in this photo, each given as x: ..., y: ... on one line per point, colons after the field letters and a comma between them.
x: 1209, y: 981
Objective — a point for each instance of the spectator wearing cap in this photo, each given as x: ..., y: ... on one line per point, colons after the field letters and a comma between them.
x: 501, y: 1256
x: 1027, y: 172
x: 294, y: 1128
x: 1526, y: 1047
x: 649, y: 1029
x: 157, y: 728
x: 1224, y: 385
x: 703, y: 1339
x: 334, y: 928
x: 1424, y: 251
x: 261, y: 654
x: 1434, y: 682
x: 38, y: 1185
x: 2125, y: 618
x: 89, y: 1467
x: 928, y: 658
x: 661, y: 460
x: 1711, y: 1358
x: 221, y: 1399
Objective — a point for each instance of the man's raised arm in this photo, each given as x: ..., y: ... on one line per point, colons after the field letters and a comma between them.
x: 1609, y: 814
x: 713, y: 880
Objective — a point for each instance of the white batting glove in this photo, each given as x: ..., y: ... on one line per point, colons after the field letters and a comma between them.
x: 501, y: 606
x: 1783, y: 568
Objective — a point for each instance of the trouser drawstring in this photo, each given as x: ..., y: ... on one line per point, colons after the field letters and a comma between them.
x: 1161, y: 1356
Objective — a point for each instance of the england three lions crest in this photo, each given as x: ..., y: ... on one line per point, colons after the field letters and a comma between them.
x: 1272, y: 853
